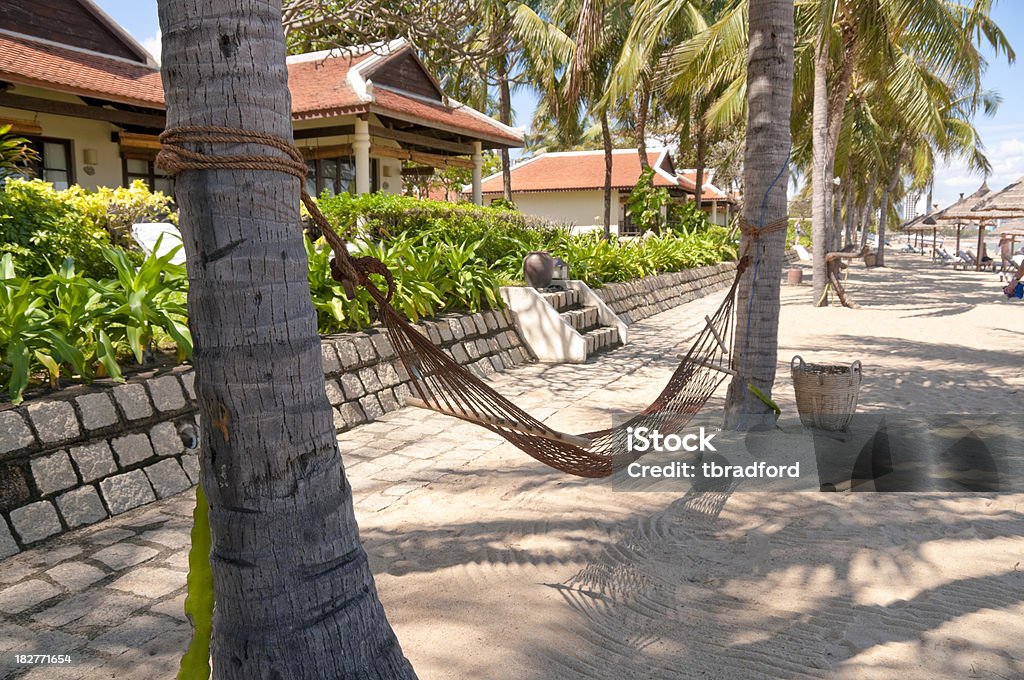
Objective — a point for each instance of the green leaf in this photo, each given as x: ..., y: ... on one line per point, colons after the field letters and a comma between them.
x: 52, y: 367
x: 106, y: 355
x: 199, y: 601
x: 764, y: 398
x: 20, y: 360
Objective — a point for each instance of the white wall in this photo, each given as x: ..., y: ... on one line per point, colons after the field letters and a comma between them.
x: 583, y: 209
x: 84, y: 133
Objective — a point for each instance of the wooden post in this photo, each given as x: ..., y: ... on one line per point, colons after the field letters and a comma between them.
x: 981, y: 239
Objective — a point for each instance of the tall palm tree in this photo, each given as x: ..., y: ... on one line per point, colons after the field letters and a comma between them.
x: 903, y: 45
x: 573, y: 45
x: 294, y: 594
x: 765, y: 179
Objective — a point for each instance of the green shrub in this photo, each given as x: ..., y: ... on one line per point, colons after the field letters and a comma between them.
x: 686, y: 218
x: 430, y: 278
x: 42, y: 226
x: 64, y: 323
x: 116, y: 210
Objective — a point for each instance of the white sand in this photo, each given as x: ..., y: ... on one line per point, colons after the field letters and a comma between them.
x: 504, y: 569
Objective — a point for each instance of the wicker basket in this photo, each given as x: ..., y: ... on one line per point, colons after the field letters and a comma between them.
x: 826, y: 394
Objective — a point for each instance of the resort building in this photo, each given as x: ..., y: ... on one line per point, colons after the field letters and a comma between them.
x: 90, y: 100
x: 568, y: 187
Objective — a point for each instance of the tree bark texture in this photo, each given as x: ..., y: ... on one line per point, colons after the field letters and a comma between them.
x: 883, y: 216
x: 606, y: 137
x: 505, y: 116
x: 850, y: 211
x: 702, y: 148
x: 643, y: 107
x: 295, y: 597
x: 765, y: 180
x: 828, y: 109
x: 821, y: 171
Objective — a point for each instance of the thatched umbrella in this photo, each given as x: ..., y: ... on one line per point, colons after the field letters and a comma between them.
x: 921, y: 226
x: 1006, y: 203
x: 964, y: 212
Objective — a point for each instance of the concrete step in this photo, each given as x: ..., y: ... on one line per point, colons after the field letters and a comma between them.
x: 563, y: 300
x: 582, y: 319
x: 601, y: 339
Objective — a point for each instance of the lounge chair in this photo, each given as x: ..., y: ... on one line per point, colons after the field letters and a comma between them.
x: 963, y: 260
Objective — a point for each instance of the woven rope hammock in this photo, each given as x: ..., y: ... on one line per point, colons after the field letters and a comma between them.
x: 441, y: 384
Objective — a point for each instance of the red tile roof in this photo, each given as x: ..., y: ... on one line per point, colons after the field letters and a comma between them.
x: 456, y: 118
x: 688, y: 181
x: 28, y: 62
x: 320, y: 86
x: 579, y: 171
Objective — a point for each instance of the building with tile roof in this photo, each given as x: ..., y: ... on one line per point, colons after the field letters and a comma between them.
x: 90, y: 100
x: 568, y: 187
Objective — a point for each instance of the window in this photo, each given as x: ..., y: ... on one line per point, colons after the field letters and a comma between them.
x: 54, y: 163
x: 336, y: 175
x: 626, y: 225
x: 144, y: 168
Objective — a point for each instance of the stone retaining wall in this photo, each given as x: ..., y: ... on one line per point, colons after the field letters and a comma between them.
x: 87, y: 453
x: 636, y: 300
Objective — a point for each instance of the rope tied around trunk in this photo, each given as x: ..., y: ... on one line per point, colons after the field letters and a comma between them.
x: 754, y: 233
x: 175, y: 158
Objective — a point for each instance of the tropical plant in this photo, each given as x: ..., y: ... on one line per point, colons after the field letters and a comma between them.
x: 648, y: 206
x: 66, y: 324
x: 15, y: 154
x: 146, y: 301
x: 27, y: 338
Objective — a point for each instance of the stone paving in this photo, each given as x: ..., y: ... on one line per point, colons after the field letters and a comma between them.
x: 112, y: 595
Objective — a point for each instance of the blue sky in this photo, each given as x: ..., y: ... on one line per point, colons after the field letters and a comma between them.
x: 1002, y: 134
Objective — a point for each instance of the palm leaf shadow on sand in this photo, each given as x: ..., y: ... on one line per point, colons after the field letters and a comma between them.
x: 682, y: 597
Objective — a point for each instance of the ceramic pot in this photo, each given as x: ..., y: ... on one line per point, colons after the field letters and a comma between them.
x: 538, y: 269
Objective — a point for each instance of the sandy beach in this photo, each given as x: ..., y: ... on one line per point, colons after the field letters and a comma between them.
x: 493, y: 566
x: 508, y: 570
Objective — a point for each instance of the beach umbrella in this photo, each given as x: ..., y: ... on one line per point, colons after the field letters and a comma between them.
x: 965, y: 212
x: 1009, y: 202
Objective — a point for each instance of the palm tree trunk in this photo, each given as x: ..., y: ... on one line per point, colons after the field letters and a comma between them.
x: 821, y: 174
x: 702, y: 150
x: 828, y: 111
x: 505, y: 116
x: 850, y: 211
x: 765, y: 180
x: 642, y: 110
x: 606, y: 137
x: 867, y: 210
x: 883, y: 216
x: 295, y: 597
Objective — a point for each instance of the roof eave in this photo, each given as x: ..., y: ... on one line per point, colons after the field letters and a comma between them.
x: 80, y: 91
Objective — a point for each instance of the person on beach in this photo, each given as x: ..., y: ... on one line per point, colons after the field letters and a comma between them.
x: 1005, y: 253
x: 1015, y: 289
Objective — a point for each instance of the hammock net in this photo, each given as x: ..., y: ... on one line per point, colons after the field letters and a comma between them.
x: 442, y: 384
